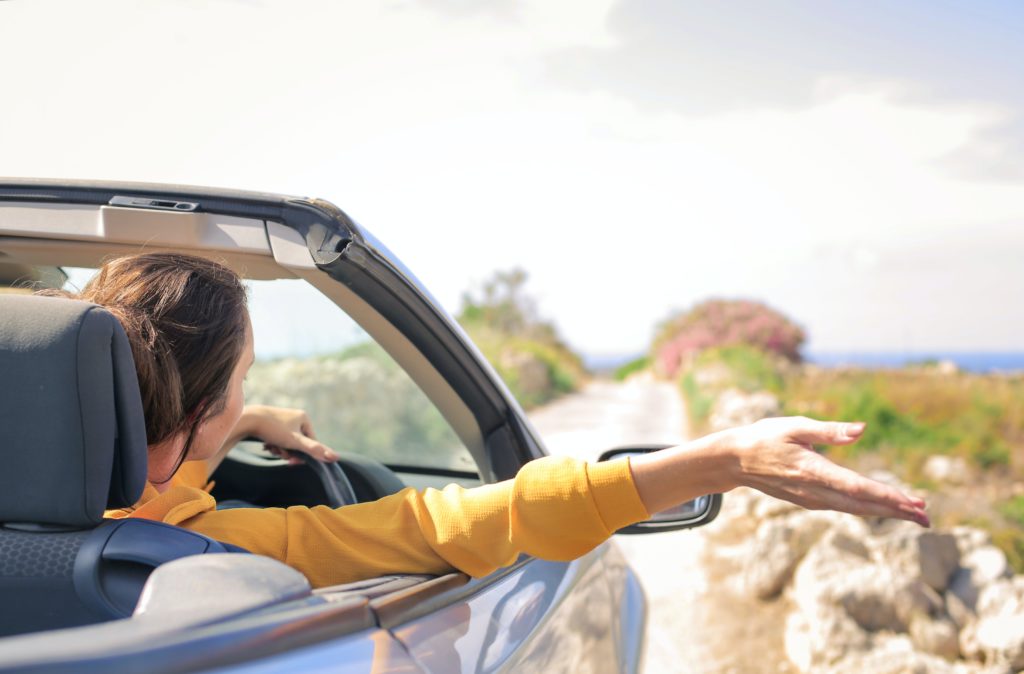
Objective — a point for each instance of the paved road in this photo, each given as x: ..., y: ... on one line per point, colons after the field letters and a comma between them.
x: 606, y: 415
x: 696, y: 622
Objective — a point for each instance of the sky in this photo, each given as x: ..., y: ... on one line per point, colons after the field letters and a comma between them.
x: 857, y: 166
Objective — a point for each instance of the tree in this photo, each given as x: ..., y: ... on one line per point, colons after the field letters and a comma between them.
x: 503, y: 305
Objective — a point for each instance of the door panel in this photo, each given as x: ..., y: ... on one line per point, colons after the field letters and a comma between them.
x: 543, y: 616
x: 374, y: 651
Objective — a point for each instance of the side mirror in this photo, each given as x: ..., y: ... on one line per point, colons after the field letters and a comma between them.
x: 695, y: 513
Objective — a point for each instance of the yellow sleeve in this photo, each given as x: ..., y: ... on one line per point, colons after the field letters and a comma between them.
x: 555, y: 508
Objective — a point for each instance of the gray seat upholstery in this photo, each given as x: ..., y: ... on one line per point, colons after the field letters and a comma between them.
x: 73, y: 444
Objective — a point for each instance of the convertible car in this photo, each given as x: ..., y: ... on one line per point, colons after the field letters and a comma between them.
x: 343, y: 330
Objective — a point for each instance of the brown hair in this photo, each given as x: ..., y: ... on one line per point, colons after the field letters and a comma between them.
x: 186, y: 320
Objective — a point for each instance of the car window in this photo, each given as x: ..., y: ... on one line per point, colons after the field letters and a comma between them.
x: 311, y: 355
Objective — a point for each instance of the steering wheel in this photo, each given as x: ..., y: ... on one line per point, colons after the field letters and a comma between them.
x: 335, y: 483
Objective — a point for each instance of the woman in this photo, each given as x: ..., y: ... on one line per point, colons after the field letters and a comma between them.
x: 192, y: 341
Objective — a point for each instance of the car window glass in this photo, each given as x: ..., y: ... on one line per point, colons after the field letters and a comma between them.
x: 311, y: 355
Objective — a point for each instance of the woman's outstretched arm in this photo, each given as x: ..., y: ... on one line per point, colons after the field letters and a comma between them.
x: 777, y: 457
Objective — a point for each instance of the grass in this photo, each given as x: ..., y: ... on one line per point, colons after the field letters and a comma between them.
x: 911, y: 413
x: 916, y: 412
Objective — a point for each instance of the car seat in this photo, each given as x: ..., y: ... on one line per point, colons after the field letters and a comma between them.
x: 73, y: 444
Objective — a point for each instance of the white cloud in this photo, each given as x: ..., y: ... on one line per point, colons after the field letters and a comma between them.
x: 442, y: 135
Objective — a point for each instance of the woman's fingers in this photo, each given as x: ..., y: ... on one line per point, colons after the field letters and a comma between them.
x: 317, y: 450
x: 777, y: 457
x: 827, y: 485
x: 825, y: 432
x: 300, y: 443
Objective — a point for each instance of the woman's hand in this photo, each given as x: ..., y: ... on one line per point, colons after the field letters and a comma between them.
x: 282, y: 429
x: 775, y: 456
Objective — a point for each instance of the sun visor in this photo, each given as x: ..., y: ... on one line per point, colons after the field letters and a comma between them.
x: 139, y: 226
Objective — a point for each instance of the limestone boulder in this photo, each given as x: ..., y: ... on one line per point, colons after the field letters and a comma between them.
x: 823, y: 638
x: 946, y: 469
x: 978, y: 568
x: 820, y: 632
x: 778, y: 546
x: 734, y: 407
x: 998, y: 634
x: 969, y: 539
x: 914, y: 552
x: 894, y: 655
x: 939, y: 636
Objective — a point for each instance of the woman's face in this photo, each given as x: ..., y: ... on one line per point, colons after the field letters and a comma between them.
x: 213, y: 433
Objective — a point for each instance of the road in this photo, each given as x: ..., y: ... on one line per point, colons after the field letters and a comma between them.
x: 697, y: 622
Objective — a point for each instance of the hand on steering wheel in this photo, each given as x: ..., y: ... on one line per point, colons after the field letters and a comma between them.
x: 288, y: 433
x: 285, y: 431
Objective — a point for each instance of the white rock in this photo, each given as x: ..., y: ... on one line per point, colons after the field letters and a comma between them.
x: 780, y: 543
x: 769, y: 506
x: 823, y: 638
x: 931, y: 556
x: 735, y: 408
x: 915, y: 599
x: 999, y: 632
x: 956, y: 609
x: 978, y: 568
x: 936, y: 636
x: 821, y: 632
x: 946, y: 469
x: 868, y: 595
x: 969, y: 538
x: 892, y: 655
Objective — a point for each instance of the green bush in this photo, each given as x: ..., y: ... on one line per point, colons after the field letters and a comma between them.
x: 525, y: 350
x: 698, y: 402
x: 750, y: 368
x: 1013, y: 510
x: 1011, y: 541
x: 886, y: 426
x: 632, y: 367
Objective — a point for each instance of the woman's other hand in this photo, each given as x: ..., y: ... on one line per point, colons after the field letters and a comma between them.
x: 775, y: 456
x: 284, y: 430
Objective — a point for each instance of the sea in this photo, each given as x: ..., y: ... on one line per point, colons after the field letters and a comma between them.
x: 982, y: 362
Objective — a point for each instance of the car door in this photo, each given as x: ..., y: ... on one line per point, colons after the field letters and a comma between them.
x: 547, y: 616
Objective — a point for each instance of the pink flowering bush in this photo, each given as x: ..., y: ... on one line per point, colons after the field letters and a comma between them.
x: 718, y: 323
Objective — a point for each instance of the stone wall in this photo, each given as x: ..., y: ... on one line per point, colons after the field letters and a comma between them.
x: 871, y: 595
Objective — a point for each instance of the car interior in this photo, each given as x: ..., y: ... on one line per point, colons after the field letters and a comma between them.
x: 63, y: 564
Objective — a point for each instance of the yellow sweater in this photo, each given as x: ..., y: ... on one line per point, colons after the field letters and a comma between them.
x: 555, y: 508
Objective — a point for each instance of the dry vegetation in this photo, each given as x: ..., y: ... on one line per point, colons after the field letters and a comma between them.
x: 912, y: 413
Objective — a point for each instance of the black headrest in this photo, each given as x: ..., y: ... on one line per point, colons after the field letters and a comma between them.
x: 72, y: 434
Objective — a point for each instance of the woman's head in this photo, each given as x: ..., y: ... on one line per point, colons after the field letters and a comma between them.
x: 188, y: 325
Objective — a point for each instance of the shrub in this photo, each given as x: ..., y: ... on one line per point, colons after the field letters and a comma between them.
x: 632, y: 367
x: 718, y: 323
x: 750, y: 369
x: 526, y: 351
x: 699, y: 402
